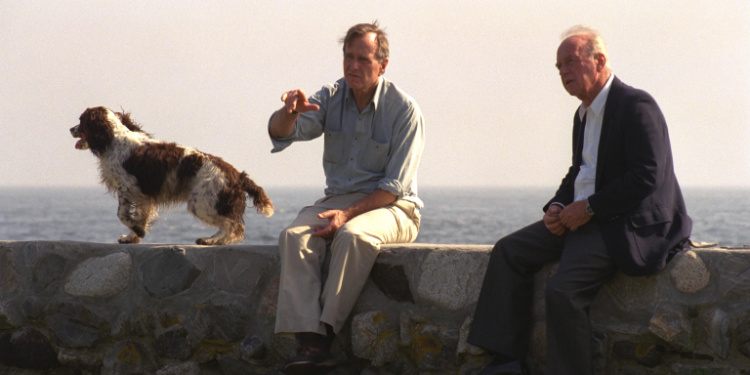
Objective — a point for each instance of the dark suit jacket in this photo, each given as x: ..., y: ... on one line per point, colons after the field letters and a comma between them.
x: 637, y: 199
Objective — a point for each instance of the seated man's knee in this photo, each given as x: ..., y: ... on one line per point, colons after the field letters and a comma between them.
x: 297, y: 238
x: 348, y: 237
x: 290, y: 234
x: 346, y: 234
x: 501, y: 245
x: 507, y: 249
x: 558, y: 289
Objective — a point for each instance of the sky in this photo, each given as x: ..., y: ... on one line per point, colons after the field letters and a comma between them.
x: 208, y: 74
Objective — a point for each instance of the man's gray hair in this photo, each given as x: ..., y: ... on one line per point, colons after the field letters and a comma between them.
x: 356, y: 31
x: 594, y: 41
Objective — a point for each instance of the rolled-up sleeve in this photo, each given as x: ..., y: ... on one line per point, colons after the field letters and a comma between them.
x: 279, y: 144
x: 407, y: 145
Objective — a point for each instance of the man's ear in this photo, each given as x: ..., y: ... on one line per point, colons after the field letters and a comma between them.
x: 601, y: 61
x: 382, y: 67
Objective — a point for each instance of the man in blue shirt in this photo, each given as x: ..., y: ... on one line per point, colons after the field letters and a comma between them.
x: 373, y: 140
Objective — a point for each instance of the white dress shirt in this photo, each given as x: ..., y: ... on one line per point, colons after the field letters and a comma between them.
x: 585, y: 183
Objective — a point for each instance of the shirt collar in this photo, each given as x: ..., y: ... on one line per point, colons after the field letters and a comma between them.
x: 597, y: 105
x: 375, y: 98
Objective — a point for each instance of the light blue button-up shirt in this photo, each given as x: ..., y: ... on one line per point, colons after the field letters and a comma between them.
x: 379, y: 148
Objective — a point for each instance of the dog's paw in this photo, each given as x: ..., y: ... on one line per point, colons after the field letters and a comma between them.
x: 208, y: 241
x: 213, y: 241
x: 129, y: 238
x: 139, y: 231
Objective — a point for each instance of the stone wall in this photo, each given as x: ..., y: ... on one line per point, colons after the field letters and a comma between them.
x: 85, y: 308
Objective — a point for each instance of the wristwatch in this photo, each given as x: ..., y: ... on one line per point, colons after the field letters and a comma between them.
x: 589, y: 211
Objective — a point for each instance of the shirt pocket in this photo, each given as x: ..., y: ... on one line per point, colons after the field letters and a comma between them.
x: 333, y: 150
x: 374, y: 156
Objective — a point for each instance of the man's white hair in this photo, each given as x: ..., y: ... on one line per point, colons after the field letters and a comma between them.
x: 594, y: 41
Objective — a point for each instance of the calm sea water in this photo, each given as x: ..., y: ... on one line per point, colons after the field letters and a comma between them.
x: 450, y: 216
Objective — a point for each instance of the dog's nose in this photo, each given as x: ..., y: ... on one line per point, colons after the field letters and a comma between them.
x: 74, y: 131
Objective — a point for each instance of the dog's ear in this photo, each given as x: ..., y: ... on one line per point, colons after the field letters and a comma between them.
x: 99, y: 132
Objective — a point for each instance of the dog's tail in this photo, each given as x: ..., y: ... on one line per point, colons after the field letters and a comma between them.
x: 261, y: 201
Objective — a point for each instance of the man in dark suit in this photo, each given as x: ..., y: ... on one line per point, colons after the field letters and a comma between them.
x: 618, y: 208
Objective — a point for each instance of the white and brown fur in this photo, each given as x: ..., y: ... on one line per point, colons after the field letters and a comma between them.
x: 146, y: 173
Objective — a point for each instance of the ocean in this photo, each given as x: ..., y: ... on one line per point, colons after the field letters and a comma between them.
x: 451, y: 215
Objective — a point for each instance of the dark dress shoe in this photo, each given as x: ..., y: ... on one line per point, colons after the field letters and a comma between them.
x: 310, y: 361
x: 508, y: 368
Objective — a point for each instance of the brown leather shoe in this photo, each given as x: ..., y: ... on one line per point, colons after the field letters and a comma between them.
x: 310, y: 360
x: 313, y: 356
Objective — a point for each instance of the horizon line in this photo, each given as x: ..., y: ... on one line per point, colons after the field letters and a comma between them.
x: 427, y: 186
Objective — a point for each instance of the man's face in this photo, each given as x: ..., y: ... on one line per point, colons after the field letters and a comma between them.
x: 578, y: 71
x: 361, y: 68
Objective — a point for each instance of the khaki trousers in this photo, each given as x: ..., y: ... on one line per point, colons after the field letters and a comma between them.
x: 306, y: 301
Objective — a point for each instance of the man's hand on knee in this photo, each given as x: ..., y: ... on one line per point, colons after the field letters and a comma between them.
x: 336, y: 219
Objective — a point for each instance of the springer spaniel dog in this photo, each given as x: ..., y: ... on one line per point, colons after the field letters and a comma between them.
x: 147, y: 173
